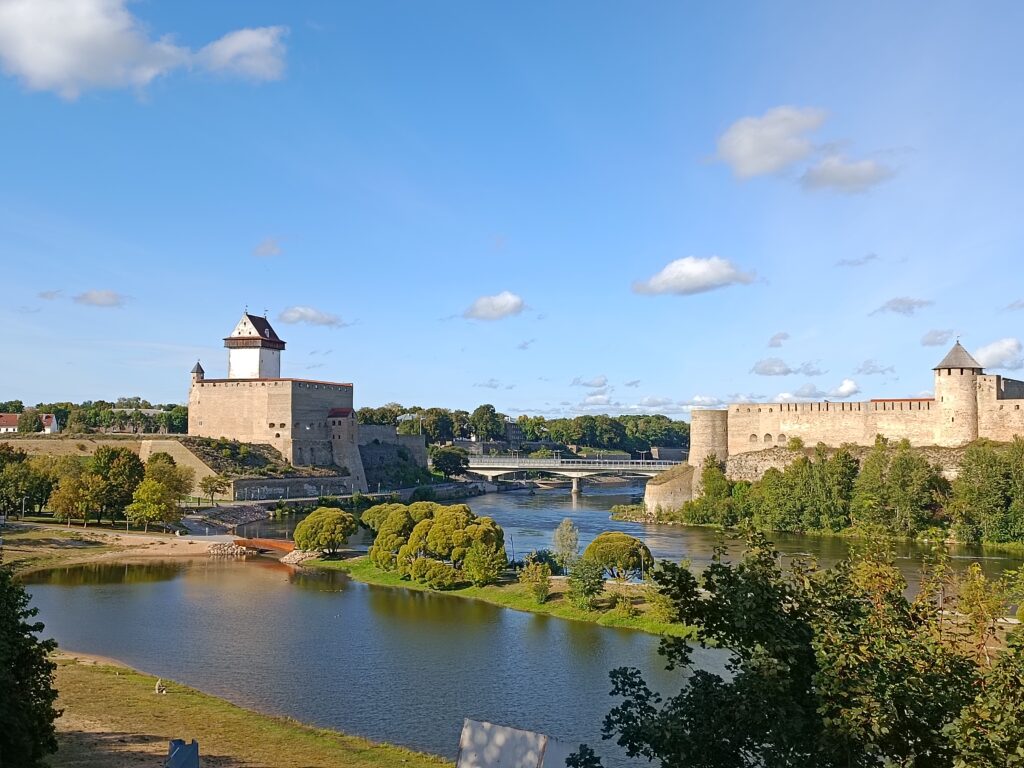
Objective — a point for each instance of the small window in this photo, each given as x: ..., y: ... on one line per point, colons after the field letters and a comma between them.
x: 281, y: 425
x: 277, y: 434
x: 753, y: 438
x: 767, y: 437
x: 270, y: 425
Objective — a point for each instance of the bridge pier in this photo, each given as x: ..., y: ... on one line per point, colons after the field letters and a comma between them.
x: 576, y: 486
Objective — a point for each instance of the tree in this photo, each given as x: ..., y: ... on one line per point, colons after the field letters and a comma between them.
x: 12, y: 406
x: 535, y: 575
x: 437, y: 425
x: 212, y: 485
x: 487, y: 423
x: 567, y: 543
x: 621, y: 555
x: 586, y: 582
x: 123, y: 471
x: 27, y: 694
x: 483, y: 563
x: 152, y: 502
x: 326, y: 530
x: 177, y: 480
x: 29, y: 421
x: 77, y: 496
x: 449, y: 461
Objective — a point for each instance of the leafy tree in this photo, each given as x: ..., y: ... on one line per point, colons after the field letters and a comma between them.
x: 438, y: 426
x: 449, y: 461
x: 122, y: 470
x: 152, y: 502
x: 177, y: 480
x: 535, y: 575
x: 483, y: 563
x: 325, y: 529
x: 212, y: 485
x: 532, y: 427
x: 12, y: 406
x: 487, y: 423
x: 78, y: 496
x: 29, y: 421
x: 620, y: 554
x: 586, y: 582
x: 27, y: 694
x: 567, y: 543
x: 714, y: 506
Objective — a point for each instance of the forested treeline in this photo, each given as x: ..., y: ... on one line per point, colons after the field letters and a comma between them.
x: 623, y: 433
x: 894, y: 489
x: 126, y: 414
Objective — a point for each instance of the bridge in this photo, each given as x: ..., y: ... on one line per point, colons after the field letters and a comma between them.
x: 263, y: 545
x: 495, y: 466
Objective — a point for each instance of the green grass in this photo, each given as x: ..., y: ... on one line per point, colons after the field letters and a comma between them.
x: 28, y: 548
x: 113, y: 718
x: 515, y: 596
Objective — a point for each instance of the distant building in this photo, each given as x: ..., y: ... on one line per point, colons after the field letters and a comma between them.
x: 310, y: 422
x: 9, y: 423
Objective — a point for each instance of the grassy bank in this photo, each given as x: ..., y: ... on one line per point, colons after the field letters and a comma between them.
x: 513, y: 595
x: 27, y: 547
x: 113, y: 719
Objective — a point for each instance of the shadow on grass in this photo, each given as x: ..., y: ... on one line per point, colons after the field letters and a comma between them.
x: 88, y: 749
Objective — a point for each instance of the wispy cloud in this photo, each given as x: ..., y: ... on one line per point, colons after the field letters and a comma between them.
x: 873, y: 368
x: 633, y: 383
x: 777, y: 339
x: 1014, y: 306
x: 770, y: 143
x: 903, y: 305
x: 49, y: 295
x: 525, y: 344
x: 691, y: 274
x: 860, y: 261
x: 846, y: 388
x: 776, y: 366
x: 71, y: 46
x: 594, y: 383
x: 1005, y: 353
x: 937, y: 337
x: 489, y: 384
x: 267, y: 248
x: 310, y: 316
x: 497, y: 307
x: 101, y: 298
x: 836, y: 173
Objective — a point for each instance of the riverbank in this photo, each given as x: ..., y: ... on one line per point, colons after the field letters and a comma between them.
x: 511, y: 594
x: 114, y: 719
x: 31, y: 546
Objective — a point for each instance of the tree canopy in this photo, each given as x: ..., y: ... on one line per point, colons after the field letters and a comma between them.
x: 325, y: 529
x: 621, y: 555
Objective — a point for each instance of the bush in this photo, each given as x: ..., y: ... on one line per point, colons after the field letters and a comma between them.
x: 441, y: 575
x: 326, y: 530
x: 624, y: 606
x: 483, y: 563
x: 419, y: 567
x: 535, y: 575
x: 586, y: 582
x: 620, y: 554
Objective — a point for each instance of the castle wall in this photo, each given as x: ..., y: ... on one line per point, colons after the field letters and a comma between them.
x: 415, y: 444
x: 709, y: 435
x: 956, y: 398
x: 1000, y: 408
x: 345, y: 446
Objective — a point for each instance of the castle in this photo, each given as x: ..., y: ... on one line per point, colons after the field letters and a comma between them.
x: 968, y: 404
x: 309, y: 422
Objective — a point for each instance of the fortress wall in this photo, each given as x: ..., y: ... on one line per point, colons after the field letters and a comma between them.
x: 240, y: 410
x: 1001, y: 420
x: 709, y: 435
x: 916, y: 425
x: 345, y: 446
x: 310, y: 429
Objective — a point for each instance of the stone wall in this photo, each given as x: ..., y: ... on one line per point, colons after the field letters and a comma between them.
x: 416, y: 445
x: 260, y: 488
x: 669, y: 490
x: 1000, y: 408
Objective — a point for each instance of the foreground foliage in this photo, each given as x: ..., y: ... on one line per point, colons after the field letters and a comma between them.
x: 830, y: 668
x: 27, y: 694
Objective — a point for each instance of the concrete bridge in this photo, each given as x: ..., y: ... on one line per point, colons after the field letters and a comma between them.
x: 495, y: 466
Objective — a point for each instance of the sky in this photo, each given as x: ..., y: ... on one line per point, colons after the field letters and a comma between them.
x: 557, y: 208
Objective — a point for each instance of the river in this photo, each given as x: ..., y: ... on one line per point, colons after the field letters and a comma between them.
x: 389, y: 664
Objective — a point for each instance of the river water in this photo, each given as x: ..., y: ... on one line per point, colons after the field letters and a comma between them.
x: 389, y: 664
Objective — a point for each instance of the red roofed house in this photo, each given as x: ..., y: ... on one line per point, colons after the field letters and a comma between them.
x: 9, y: 423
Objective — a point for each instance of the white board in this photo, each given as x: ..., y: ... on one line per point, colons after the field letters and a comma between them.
x: 486, y: 745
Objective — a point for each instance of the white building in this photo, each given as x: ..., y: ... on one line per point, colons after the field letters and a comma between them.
x: 9, y: 423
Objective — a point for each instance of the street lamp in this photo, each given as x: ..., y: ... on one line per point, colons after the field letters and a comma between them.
x: 642, y: 455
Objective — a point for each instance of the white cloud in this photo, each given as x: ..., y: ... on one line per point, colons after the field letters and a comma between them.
x: 753, y: 146
x: 504, y: 304
x: 257, y: 54
x: 591, y: 400
x: 692, y: 274
x: 776, y: 366
x: 655, y: 402
x: 903, y: 305
x: 596, y: 382
x: 489, y: 384
x: 101, y: 298
x: 777, y: 339
x: 310, y: 316
x: 937, y: 337
x: 749, y: 397
x: 702, y: 401
x: 846, y: 388
x: 1005, y: 353
x: 70, y: 46
x: 873, y: 368
x: 860, y: 261
x: 267, y: 247
x: 848, y: 176
x: 48, y: 295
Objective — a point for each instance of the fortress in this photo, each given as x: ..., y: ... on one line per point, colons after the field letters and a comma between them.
x: 968, y: 404
x: 309, y: 422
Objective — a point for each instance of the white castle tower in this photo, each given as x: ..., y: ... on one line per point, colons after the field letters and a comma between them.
x: 254, y: 350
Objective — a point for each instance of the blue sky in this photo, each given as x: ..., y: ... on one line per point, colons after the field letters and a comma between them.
x: 466, y: 202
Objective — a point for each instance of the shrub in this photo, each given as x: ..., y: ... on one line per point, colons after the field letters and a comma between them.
x: 441, y: 575
x: 419, y: 567
x: 325, y: 529
x: 535, y: 575
x: 483, y: 563
x: 586, y: 582
x: 624, y: 606
x: 620, y: 554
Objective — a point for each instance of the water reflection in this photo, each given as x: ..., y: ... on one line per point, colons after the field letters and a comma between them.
x: 106, y: 573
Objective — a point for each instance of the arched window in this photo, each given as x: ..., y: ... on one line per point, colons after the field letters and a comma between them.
x: 753, y: 438
x: 781, y: 439
x: 767, y: 437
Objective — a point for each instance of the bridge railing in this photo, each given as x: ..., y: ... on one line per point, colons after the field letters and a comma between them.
x: 527, y: 463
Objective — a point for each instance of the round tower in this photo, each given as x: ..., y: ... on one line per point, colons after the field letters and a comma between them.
x: 709, y: 436
x: 956, y: 397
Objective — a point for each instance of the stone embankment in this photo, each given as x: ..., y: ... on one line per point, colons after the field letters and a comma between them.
x: 228, y: 549
x: 297, y: 556
x: 237, y: 514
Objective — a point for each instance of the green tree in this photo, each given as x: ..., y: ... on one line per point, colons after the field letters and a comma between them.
x: 487, y: 423
x: 152, y: 502
x: 567, y: 543
x: 449, y: 461
x: 27, y: 693
x: 621, y: 555
x: 982, y: 495
x: 122, y: 470
x: 177, y: 480
x: 438, y: 426
x: 326, y: 530
x: 213, y: 485
x: 532, y: 427
x: 483, y: 563
x: 29, y: 421
x: 586, y: 582
x: 12, y: 406
x: 535, y: 575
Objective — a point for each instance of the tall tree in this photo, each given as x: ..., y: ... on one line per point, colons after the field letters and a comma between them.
x: 29, y: 421
x: 487, y: 423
